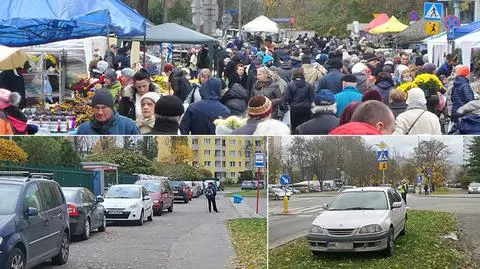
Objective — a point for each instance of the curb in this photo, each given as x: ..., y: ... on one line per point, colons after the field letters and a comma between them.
x: 447, y: 196
x: 286, y: 240
x: 244, y: 210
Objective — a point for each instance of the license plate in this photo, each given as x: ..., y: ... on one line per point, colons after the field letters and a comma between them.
x: 176, y: 192
x: 115, y: 212
x: 340, y: 245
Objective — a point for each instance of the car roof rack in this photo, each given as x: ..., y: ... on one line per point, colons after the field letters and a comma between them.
x: 27, y: 175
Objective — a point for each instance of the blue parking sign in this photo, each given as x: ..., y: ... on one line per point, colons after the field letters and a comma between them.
x: 285, y: 179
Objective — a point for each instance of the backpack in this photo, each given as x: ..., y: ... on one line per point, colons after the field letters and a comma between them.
x: 209, y: 192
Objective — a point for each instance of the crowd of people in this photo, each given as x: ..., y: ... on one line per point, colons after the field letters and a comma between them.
x: 307, y: 86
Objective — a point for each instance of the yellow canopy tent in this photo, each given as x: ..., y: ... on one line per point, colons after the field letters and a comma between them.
x: 391, y: 26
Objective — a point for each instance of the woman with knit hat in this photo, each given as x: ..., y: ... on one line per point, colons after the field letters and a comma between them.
x: 112, y: 84
x: 147, y: 101
x: 259, y: 109
x: 417, y: 120
x: 462, y: 92
x: 12, y: 120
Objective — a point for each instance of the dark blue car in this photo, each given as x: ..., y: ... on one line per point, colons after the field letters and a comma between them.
x: 33, y: 221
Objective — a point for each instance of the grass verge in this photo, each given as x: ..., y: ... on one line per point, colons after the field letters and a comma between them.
x: 250, y: 193
x: 249, y: 237
x: 422, y: 247
x: 441, y: 191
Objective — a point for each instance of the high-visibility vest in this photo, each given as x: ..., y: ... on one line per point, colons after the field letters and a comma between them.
x: 402, y: 189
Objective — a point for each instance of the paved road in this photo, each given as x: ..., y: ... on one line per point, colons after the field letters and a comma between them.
x: 284, y: 228
x: 189, y: 237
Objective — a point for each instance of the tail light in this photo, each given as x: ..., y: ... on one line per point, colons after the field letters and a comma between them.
x: 72, y: 210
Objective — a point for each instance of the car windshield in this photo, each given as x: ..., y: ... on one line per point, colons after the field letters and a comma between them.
x: 152, y: 186
x: 8, y: 198
x: 70, y: 195
x: 360, y: 200
x: 176, y: 183
x: 475, y: 185
x: 123, y: 192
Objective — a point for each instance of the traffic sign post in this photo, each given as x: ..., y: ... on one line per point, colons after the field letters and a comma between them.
x: 433, y: 11
x: 432, y: 27
x: 285, y: 180
x: 414, y: 16
x: 451, y: 22
x: 259, y: 163
x: 382, y: 166
x: 382, y: 156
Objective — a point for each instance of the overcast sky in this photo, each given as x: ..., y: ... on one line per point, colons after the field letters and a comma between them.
x: 404, y: 145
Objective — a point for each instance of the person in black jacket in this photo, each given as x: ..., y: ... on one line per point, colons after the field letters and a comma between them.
x: 168, y: 112
x: 235, y: 99
x: 129, y: 105
x: 203, y: 61
x: 324, y: 119
x: 252, y: 74
x: 299, y: 96
x: 13, y: 81
x: 239, y: 77
x: 210, y: 193
x: 180, y: 84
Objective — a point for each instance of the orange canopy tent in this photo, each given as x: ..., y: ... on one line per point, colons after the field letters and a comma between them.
x: 379, y: 20
x: 392, y: 26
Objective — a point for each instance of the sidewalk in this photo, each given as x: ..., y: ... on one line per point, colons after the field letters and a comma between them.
x: 247, y: 208
x: 447, y: 195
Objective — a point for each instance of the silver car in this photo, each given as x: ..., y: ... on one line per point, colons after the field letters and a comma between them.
x: 474, y: 187
x: 359, y: 220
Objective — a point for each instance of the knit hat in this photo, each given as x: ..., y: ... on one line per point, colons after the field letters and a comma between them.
x: 150, y: 95
x: 259, y: 107
x: 416, y: 95
x: 463, y: 71
x: 370, y: 57
x: 111, y: 75
x: 9, y: 98
x: 170, y: 106
x: 128, y: 72
x: 324, y: 98
x: 322, y: 58
x: 103, y: 97
x: 372, y: 95
x: 429, y: 68
x: 358, y: 68
x: 258, y: 61
x: 102, y: 66
x: 349, y: 78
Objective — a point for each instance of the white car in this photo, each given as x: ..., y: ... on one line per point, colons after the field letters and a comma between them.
x: 358, y: 220
x: 128, y: 203
x: 474, y: 187
x: 278, y: 194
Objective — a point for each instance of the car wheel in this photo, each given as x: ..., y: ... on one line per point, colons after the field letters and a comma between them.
x: 62, y: 256
x: 16, y: 259
x: 390, y: 243
x: 86, y: 229
x: 170, y: 209
x: 104, y: 225
x: 160, y: 210
x: 150, y: 218
x: 140, y: 221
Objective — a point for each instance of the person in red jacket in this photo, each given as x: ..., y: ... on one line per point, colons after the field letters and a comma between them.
x: 370, y: 118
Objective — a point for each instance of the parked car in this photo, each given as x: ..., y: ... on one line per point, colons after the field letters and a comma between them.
x: 180, y: 191
x: 262, y: 186
x: 126, y: 202
x: 161, y: 193
x: 86, y: 213
x: 218, y: 184
x: 278, y: 194
x: 196, y: 189
x: 200, y: 186
x: 248, y: 185
x: 474, y: 187
x: 343, y: 188
x: 359, y: 220
x: 411, y: 188
x: 33, y: 221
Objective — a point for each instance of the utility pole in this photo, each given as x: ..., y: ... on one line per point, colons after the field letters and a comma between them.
x: 477, y: 10
x: 165, y: 10
x: 240, y: 18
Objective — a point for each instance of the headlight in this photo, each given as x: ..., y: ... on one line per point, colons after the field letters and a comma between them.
x: 370, y: 229
x: 133, y: 206
x: 156, y: 202
x: 316, y: 230
x: 1, y: 239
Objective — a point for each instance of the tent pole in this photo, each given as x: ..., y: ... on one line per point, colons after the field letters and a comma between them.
x: 144, y: 48
x: 108, y: 47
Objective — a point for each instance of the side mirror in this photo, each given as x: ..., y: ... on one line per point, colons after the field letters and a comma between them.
x: 31, y: 212
x: 396, y: 205
x: 100, y: 199
x: 325, y: 206
x: 146, y: 198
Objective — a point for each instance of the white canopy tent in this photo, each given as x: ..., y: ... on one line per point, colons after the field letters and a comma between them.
x: 261, y: 24
x: 467, y: 43
x: 437, y: 47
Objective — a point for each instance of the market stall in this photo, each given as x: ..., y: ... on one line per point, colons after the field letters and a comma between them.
x: 377, y: 21
x: 261, y: 24
x: 393, y: 25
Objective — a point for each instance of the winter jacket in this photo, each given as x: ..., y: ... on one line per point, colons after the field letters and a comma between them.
x: 120, y: 126
x: 165, y: 127
x: 180, y: 84
x: 445, y: 70
x: 203, y: 61
x: 249, y: 128
x: 313, y: 73
x: 469, y: 123
x: 5, y: 127
x: 272, y: 92
x: 251, y: 78
x: 384, y: 87
x: 346, y: 97
x: 427, y: 124
x: 356, y: 128
x: 127, y: 102
x: 296, y: 62
x: 237, y: 79
x: 199, y: 117
x: 322, y: 123
x: 278, y: 54
x: 299, y: 94
x: 397, y: 108
x: 462, y: 93
x: 331, y: 81
x: 230, y: 69
x: 194, y: 95
x: 285, y: 72
x: 236, y: 99
x: 115, y: 89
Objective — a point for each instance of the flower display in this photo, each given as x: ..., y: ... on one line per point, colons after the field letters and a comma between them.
x: 232, y: 122
x: 407, y: 86
x: 429, y: 83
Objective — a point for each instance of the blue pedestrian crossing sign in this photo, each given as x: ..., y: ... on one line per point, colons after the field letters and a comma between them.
x: 420, y: 179
x: 285, y: 180
x: 433, y: 11
x: 382, y: 156
x: 259, y: 160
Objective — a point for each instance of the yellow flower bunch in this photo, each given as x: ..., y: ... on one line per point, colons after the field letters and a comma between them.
x: 51, y: 58
x: 407, y: 86
x: 428, y: 82
x: 232, y: 122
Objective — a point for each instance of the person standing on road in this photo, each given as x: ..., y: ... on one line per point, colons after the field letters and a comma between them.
x: 425, y: 188
x: 211, y: 193
x: 403, y: 190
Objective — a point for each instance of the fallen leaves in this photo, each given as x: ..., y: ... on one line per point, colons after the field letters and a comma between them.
x: 249, y: 239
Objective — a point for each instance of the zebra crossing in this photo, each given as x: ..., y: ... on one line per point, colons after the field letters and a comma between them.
x: 305, y: 212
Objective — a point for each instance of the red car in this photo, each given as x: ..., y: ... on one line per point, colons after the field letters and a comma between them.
x: 161, y: 193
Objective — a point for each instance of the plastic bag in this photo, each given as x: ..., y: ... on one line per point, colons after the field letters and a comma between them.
x: 286, y: 118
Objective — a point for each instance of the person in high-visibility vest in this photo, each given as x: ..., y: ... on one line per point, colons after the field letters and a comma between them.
x: 404, y: 189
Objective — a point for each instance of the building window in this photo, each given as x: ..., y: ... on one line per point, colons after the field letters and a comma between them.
x: 206, y: 152
x: 232, y: 153
x: 195, y: 153
x: 224, y: 164
x: 195, y: 141
x: 223, y: 153
x: 218, y: 153
x: 218, y: 164
x: 207, y: 163
x: 240, y: 164
x: 218, y: 141
x: 248, y: 154
x: 207, y: 141
x: 258, y: 143
x: 247, y: 164
x: 232, y: 142
x: 233, y: 174
x: 240, y: 143
x: 239, y: 154
x: 232, y: 164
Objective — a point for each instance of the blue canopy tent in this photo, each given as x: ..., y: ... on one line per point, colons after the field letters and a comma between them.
x: 458, y: 32
x: 26, y: 22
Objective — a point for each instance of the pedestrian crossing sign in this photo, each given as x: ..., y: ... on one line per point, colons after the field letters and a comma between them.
x: 432, y: 27
x: 382, y: 156
x: 382, y: 166
x: 433, y: 11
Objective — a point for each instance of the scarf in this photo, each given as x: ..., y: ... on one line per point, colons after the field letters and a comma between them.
x: 150, y: 122
x: 262, y: 84
x: 103, y: 128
